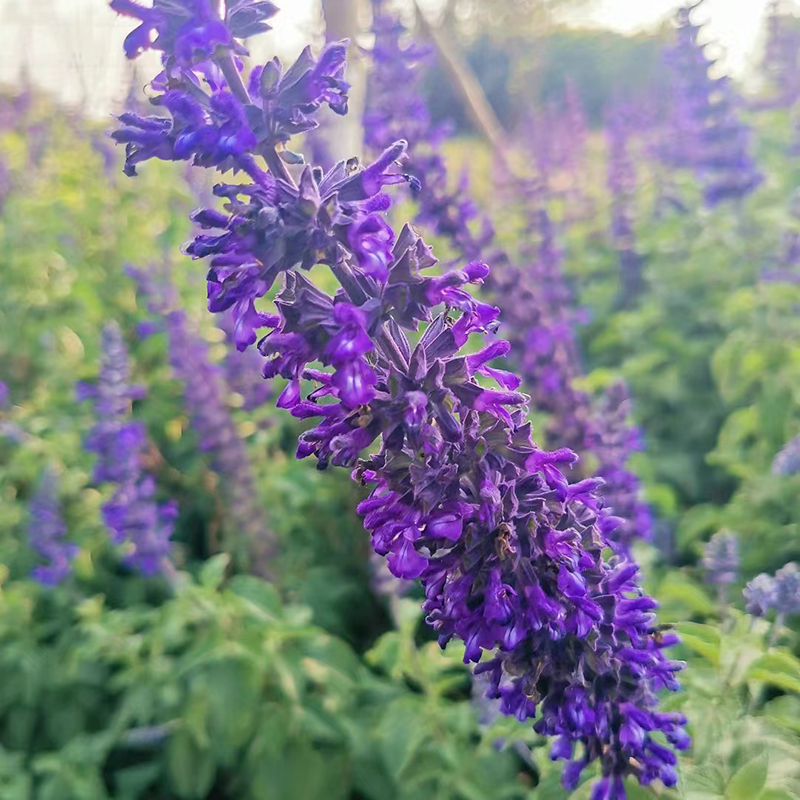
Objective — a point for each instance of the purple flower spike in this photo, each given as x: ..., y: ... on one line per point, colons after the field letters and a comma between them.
x: 787, y: 589
x: 204, y: 394
x: 46, y: 534
x: 760, y: 595
x: 132, y: 514
x: 721, y: 558
x: 787, y: 461
x: 781, y: 592
x: 706, y: 134
x: 509, y: 554
x: 622, y: 186
x: 613, y: 440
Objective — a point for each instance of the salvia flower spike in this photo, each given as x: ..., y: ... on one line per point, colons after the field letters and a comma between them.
x: 613, y: 440
x: 47, y: 532
x: 706, y: 133
x: 204, y: 392
x: 132, y: 515
x: 509, y: 554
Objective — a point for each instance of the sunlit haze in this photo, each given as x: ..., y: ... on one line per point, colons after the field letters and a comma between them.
x: 73, y: 47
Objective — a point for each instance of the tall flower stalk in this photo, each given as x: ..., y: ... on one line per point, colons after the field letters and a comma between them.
x: 613, y: 440
x: 721, y: 563
x: 533, y: 300
x: 622, y: 187
x: 706, y: 134
x: 204, y: 393
x: 47, y: 533
x: 781, y: 60
x: 509, y: 554
x: 132, y: 515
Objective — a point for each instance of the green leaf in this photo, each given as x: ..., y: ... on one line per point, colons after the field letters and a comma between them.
x: 702, y: 639
x: 748, y: 781
x: 213, y: 572
x: 191, y: 770
x: 778, y: 668
x: 260, y: 593
x: 132, y: 782
x: 776, y: 794
x: 680, y: 590
x: 305, y: 771
x: 402, y: 733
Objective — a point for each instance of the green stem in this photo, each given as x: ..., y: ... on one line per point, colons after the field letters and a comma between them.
x: 276, y: 166
x: 775, y: 630
x: 233, y: 78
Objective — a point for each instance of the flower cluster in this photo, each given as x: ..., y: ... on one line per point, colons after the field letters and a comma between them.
x: 612, y: 441
x: 225, y: 127
x: 509, y: 554
x: 781, y: 53
x: 721, y: 562
x: 534, y: 303
x: 204, y: 394
x: 780, y: 593
x: 555, y: 139
x: 787, y: 461
x: 721, y: 558
x: 706, y: 133
x: 132, y: 515
x: 622, y: 186
x: 46, y: 533
x: 187, y: 32
x: 538, y: 310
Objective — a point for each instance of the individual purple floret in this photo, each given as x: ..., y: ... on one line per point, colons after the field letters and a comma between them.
x: 706, y: 134
x: 3, y: 395
x: 204, y: 395
x: 612, y: 440
x: 787, y: 461
x: 760, y: 595
x: 46, y: 533
x: 509, y: 554
x: 132, y: 515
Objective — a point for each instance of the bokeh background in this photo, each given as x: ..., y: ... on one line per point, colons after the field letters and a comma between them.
x: 269, y: 657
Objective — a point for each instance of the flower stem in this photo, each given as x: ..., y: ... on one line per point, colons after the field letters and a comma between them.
x: 276, y: 166
x: 233, y: 78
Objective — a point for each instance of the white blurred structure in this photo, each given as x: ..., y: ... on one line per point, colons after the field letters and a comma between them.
x: 73, y: 48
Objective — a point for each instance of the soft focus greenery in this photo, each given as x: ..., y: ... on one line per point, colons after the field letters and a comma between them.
x: 221, y: 686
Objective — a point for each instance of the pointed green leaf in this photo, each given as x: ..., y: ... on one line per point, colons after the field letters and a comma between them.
x: 778, y: 668
x: 748, y: 781
x: 702, y: 639
x: 213, y: 572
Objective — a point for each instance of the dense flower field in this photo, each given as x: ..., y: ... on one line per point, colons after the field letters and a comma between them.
x: 453, y: 469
